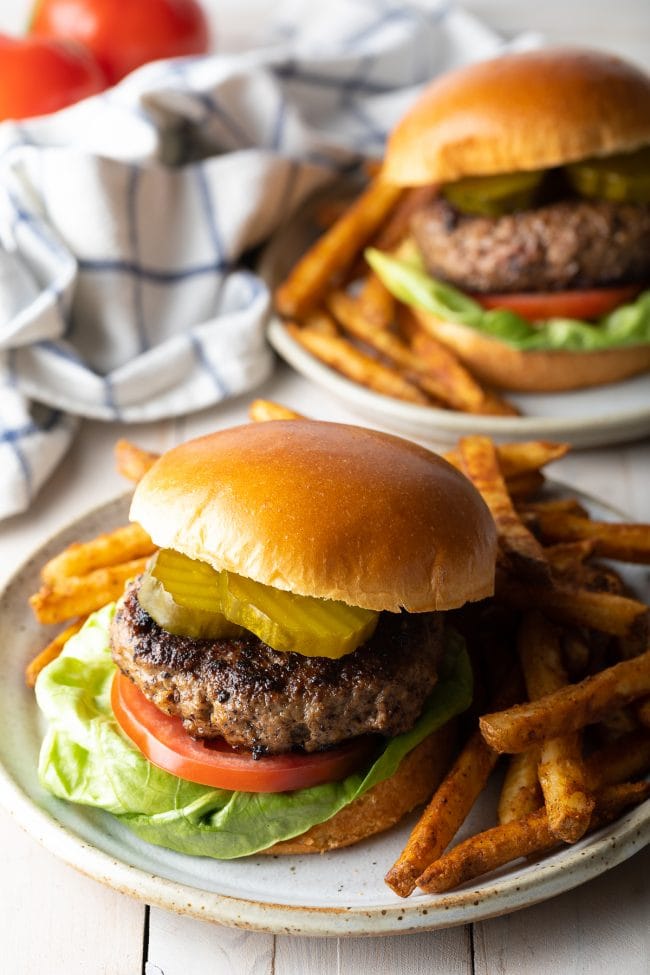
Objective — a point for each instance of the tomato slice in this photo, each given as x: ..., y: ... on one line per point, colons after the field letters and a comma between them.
x: 164, y: 741
x: 584, y: 305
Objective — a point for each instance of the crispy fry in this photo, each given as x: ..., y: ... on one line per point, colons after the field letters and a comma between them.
x: 575, y: 653
x: 643, y: 712
x: 480, y: 463
x: 320, y: 320
x: 326, y: 262
x: 626, y: 758
x: 568, y: 709
x: 51, y: 651
x: 376, y: 303
x: 554, y: 505
x: 341, y: 355
x: 495, y: 847
x: 444, y: 815
x: 463, y: 391
x: 133, y: 462
x: 567, y: 558
x: 561, y: 770
x: 112, y: 548
x: 625, y: 542
x: 575, y: 606
x: 261, y: 410
x: 521, y: 792
x: 521, y: 458
x: 522, y: 486
x: 79, y: 595
x: 397, y: 225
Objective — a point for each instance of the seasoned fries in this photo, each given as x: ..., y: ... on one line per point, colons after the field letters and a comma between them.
x: 334, y: 252
x: 624, y: 542
x: 480, y: 463
x: 521, y: 792
x: 122, y: 545
x: 80, y: 595
x: 262, y: 410
x: 51, y: 651
x: 495, y: 847
x: 133, y: 462
x: 561, y: 770
x: 568, y: 709
x: 444, y: 814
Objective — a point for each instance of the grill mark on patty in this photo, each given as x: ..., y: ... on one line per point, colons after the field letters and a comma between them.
x: 570, y: 243
x: 269, y: 701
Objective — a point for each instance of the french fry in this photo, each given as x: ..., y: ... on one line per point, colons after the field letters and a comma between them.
x: 341, y: 355
x: 643, y: 712
x: 463, y: 391
x: 325, y: 263
x: 444, y: 815
x: 262, y: 410
x: 522, y: 486
x: 320, y: 320
x: 553, y: 505
x: 575, y: 653
x: 626, y: 758
x: 625, y: 542
x: 521, y: 792
x: 376, y: 303
x: 112, y: 548
x: 80, y: 595
x: 397, y: 225
x: 133, y: 462
x: 481, y: 465
x: 521, y: 458
x: 51, y: 651
x: 575, y: 606
x: 568, y: 709
x: 495, y: 847
x: 561, y: 770
x: 567, y: 558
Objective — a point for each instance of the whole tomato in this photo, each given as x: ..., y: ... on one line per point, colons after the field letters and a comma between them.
x: 123, y: 34
x: 40, y: 75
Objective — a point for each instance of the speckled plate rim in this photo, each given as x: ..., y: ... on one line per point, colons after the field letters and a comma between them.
x: 536, y: 882
x: 428, y: 421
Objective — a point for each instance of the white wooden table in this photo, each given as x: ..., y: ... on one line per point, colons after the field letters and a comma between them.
x: 55, y: 921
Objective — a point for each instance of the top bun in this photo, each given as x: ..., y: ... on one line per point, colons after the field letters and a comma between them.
x: 327, y: 510
x: 520, y: 112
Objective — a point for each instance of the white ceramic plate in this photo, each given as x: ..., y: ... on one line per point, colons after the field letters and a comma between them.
x: 341, y: 893
x: 584, y: 418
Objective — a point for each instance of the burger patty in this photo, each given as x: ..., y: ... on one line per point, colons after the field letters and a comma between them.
x: 270, y: 702
x: 572, y: 243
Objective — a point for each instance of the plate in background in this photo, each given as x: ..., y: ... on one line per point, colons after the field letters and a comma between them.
x: 584, y: 418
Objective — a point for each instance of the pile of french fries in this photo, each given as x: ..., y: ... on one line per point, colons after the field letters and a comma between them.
x: 338, y: 309
x: 560, y: 654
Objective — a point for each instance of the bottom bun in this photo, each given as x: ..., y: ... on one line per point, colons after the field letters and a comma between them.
x: 500, y: 365
x: 386, y: 803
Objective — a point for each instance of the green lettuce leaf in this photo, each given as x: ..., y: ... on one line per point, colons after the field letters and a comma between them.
x: 410, y: 283
x: 85, y: 758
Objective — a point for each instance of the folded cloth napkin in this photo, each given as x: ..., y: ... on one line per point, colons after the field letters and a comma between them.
x: 124, y: 219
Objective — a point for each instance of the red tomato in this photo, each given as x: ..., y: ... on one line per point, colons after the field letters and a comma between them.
x: 41, y: 75
x: 123, y: 34
x: 583, y: 305
x: 164, y: 741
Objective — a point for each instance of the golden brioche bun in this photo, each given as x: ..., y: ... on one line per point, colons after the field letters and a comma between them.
x: 520, y: 112
x: 326, y: 510
x: 377, y: 810
x: 499, y: 364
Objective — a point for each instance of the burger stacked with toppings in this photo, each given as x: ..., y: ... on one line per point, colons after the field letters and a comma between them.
x: 286, y: 651
x: 532, y: 258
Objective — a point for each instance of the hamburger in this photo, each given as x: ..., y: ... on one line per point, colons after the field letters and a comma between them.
x: 530, y: 256
x: 282, y: 676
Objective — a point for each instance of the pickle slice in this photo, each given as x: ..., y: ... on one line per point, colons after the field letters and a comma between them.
x: 283, y: 620
x: 197, y: 623
x: 624, y: 178
x: 494, y: 196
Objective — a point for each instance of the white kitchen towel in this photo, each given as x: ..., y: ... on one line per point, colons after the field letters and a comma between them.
x: 126, y: 220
